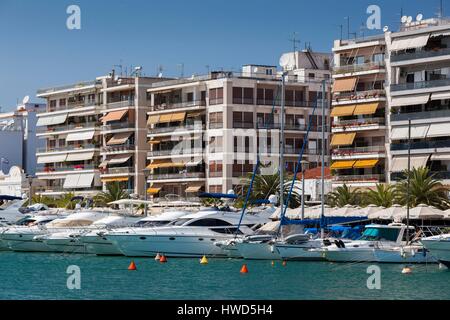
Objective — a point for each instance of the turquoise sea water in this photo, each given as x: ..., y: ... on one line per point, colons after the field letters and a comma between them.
x: 43, y: 276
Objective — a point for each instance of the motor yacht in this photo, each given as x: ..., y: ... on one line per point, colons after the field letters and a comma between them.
x: 192, y: 235
x: 96, y: 243
x: 10, y: 211
x: 439, y: 247
x: 379, y: 243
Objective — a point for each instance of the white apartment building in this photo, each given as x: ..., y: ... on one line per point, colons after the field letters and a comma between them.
x: 95, y: 134
x: 205, y: 132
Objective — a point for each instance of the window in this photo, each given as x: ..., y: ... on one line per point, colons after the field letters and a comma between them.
x: 62, y: 102
x: 378, y: 58
x: 242, y: 95
x: 269, y: 72
x: 311, y: 75
x: 359, y: 60
x: 190, y: 97
x: 215, y: 188
x: 215, y: 120
x: 215, y: 96
x: 242, y: 120
x: 215, y: 168
x: 215, y: 144
x: 209, y: 222
x: 52, y: 103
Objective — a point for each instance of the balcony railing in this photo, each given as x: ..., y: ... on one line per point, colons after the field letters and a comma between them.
x: 68, y: 127
x: 358, y: 122
x: 296, y: 127
x: 121, y: 170
x: 289, y: 103
x: 359, y: 95
x: 158, y: 153
x: 423, y: 54
x: 243, y: 125
x: 215, y: 174
x: 119, y: 104
x: 188, y: 127
x: 420, y: 85
x: 179, y: 105
x: 74, y: 105
x: 421, y: 145
x: 213, y: 102
x: 71, y: 86
x: 358, y: 150
x: 216, y: 125
x: 120, y: 125
x: 359, y: 178
x: 66, y: 148
x: 118, y: 148
x: 439, y: 175
x: 421, y: 115
x: 359, y: 67
x: 78, y: 167
x: 176, y: 176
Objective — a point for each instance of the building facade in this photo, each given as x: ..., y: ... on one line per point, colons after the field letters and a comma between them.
x: 206, y: 132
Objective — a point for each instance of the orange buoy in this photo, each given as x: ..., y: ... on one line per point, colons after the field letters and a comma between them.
x: 158, y: 257
x: 244, y: 269
x: 132, y: 266
x: 163, y: 259
x: 284, y: 263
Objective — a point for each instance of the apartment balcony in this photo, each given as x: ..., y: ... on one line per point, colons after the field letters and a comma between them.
x: 215, y: 174
x: 288, y: 103
x: 123, y: 126
x: 118, y: 149
x: 367, y: 178
x: 420, y: 85
x: 358, y: 124
x: 67, y: 127
x: 74, y: 105
x: 439, y: 175
x: 289, y: 127
x: 421, y: 145
x: 359, y: 68
x: 432, y: 114
x: 358, y: 96
x: 117, y: 171
x: 48, y: 149
x: 213, y: 102
x: 174, y: 129
x: 43, y: 170
x: 179, y: 105
x: 215, y: 125
x: 77, y: 86
x: 243, y: 125
x: 176, y: 176
x: 174, y: 152
x: 411, y: 57
x: 368, y: 152
x: 118, y: 104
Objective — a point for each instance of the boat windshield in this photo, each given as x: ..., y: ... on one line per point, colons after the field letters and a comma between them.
x: 383, y: 234
x: 180, y: 222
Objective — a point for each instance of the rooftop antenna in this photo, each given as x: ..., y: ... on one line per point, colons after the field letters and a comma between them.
x: 294, y: 47
x: 207, y: 68
x: 120, y: 66
x: 159, y: 71
x: 441, y: 10
x: 181, y: 66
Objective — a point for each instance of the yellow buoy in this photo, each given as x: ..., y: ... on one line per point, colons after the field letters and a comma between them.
x: 204, y: 260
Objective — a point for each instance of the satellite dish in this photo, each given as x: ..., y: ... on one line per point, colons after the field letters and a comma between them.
x: 160, y: 75
x: 255, y: 70
x: 26, y: 99
x: 385, y: 29
x: 284, y: 60
x: 410, y: 19
x: 419, y: 17
x: 404, y: 19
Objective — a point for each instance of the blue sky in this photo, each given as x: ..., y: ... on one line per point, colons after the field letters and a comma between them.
x: 37, y: 50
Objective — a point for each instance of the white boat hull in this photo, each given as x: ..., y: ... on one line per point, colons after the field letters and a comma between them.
x: 170, y: 246
x: 346, y: 255
x: 100, y: 246
x: 395, y: 256
x: 65, y: 245
x: 299, y: 253
x: 440, y: 249
x: 257, y: 251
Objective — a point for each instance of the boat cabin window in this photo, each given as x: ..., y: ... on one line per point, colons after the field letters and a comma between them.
x: 151, y: 223
x: 180, y: 222
x: 209, y: 222
x: 229, y: 230
x: 377, y: 234
x: 25, y: 222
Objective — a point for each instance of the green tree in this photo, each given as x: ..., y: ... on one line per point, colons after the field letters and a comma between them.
x: 65, y: 201
x: 266, y: 185
x: 383, y: 196
x: 424, y: 189
x: 343, y: 195
x: 113, y: 192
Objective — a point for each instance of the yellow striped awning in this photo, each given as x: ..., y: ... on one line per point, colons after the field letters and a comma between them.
x: 343, y: 139
x: 153, y: 119
x: 115, y: 179
x: 366, y: 108
x: 343, y: 111
x: 342, y: 164
x: 164, y: 164
x: 180, y: 116
x: 366, y: 163
x: 192, y: 189
x: 165, y: 118
x: 153, y: 191
x: 154, y: 141
x: 348, y: 84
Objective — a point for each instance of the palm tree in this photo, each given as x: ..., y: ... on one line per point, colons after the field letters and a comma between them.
x: 383, y: 196
x: 266, y: 185
x: 113, y: 192
x: 424, y: 189
x: 65, y: 201
x: 343, y: 195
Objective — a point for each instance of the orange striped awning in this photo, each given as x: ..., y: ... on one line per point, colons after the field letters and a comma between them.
x: 343, y: 139
x: 337, y: 165
x: 344, y: 85
x: 370, y: 163
x: 114, y: 116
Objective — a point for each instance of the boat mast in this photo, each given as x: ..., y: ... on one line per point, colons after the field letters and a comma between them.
x: 283, y: 97
x: 408, y: 180
x: 322, y: 185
